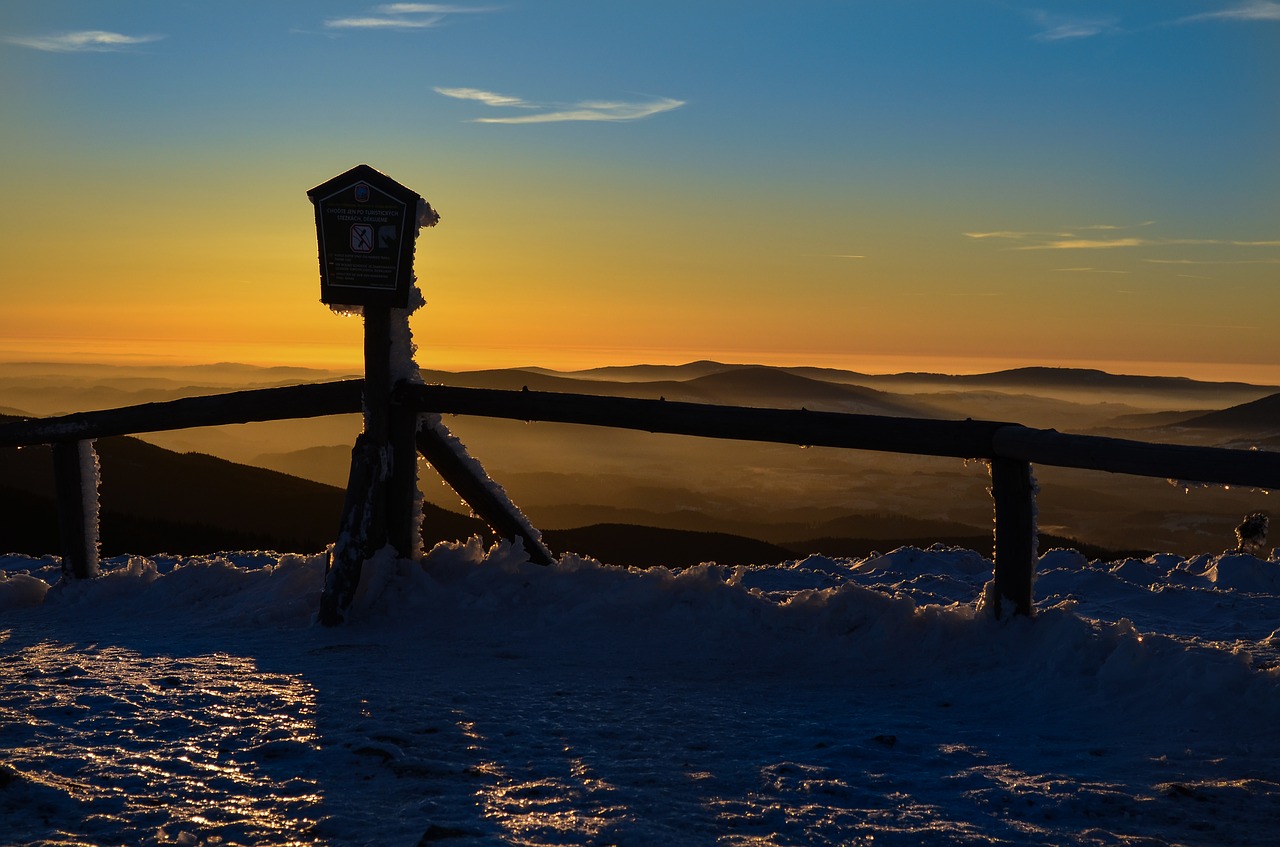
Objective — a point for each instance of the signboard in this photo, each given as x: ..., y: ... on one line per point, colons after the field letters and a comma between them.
x: 366, y: 224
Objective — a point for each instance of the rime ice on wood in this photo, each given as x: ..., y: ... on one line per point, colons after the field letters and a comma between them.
x: 502, y: 514
x: 90, y: 473
x: 75, y: 470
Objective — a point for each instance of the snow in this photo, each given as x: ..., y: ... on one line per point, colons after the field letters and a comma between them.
x: 474, y: 698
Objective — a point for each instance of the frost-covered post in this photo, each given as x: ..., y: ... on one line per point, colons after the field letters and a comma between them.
x: 75, y: 476
x: 1013, y: 488
x: 367, y: 225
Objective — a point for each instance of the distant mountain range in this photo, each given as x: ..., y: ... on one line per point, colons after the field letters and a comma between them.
x: 730, y: 385
x: 1084, y: 379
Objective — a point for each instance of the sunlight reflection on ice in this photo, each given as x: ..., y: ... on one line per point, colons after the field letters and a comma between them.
x: 137, y: 741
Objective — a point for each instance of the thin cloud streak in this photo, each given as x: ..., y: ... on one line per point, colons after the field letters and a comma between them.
x: 488, y: 98
x: 1260, y: 10
x: 1087, y: 244
x: 87, y: 41
x: 1014, y: 234
x: 383, y: 23
x: 404, y: 16
x: 1213, y: 261
x: 1064, y: 28
x: 584, y: 111
x: 431, y: 9
x: 1070, y: 241
x: 1060, y: 28
x: 594, y: 111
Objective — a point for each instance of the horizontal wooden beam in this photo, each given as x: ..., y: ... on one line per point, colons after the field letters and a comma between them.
x: 260, y: 404
x: 967, y: 439
x: 1252, y: 468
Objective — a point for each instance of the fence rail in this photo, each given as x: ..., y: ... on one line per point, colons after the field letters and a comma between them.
x: 1009, y: 447
x: 290, y: 402
x: 967, y: 439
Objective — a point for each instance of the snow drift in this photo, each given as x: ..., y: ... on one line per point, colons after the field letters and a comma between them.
x: 478, y: 697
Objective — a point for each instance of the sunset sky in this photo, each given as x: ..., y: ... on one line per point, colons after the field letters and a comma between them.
x: 871, y: 184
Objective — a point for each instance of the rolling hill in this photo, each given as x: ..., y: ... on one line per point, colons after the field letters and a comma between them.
x: 1260, y: 416
x: 154, y: 500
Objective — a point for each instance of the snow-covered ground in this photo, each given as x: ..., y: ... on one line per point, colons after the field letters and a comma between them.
x: 475, y: 698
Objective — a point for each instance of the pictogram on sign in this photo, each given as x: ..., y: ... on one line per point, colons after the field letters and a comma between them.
x: 362, y: 238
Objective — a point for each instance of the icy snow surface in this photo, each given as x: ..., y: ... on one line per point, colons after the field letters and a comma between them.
x: 475, y: 698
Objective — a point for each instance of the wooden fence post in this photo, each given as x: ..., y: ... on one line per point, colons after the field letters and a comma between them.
x: 362, y: 531
x: 77, y: 506
x: 403, y: 529
x: 363, y: 528
x: 1014, y: 490
x: 377, y: 372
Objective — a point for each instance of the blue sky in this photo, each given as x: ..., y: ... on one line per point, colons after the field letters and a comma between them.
x: 795, y: 181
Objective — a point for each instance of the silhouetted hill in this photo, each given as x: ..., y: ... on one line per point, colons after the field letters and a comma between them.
x: 329, y: 465
x: 646, y: 373
x: 1151, y: 420
x: 1091, y: 379
x: 1260, y: 416
x: 154, y: 500
x: 745, y: 385
x: 763, y: 386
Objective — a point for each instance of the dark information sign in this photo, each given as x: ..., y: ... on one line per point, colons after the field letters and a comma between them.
x: 366, y: 223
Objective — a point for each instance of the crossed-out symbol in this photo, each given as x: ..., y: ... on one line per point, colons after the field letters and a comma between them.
x: 362, y: 238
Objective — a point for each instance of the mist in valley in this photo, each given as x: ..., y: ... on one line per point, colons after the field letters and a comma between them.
x: 564, y: 476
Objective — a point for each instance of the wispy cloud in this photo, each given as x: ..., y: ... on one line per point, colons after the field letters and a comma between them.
x: 85, y: 41
x: 431, y: 9
x: 587, y: 110
x: 1104, y: 244
x: 1213, y: 261
x: 1110, y: 237
x: 1258, y: 10
x: 1041, y: 240
x: 1015, y: 234
x: 405, y: 16
x: 594, y: 111
x: 1087, y: 244
x: 1106, y: 227
x: 383, y: 23
x: 488, y: 98
x: 1063, y: 28
x: 1059, y: 27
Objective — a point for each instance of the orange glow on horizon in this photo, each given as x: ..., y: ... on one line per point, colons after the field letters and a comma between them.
x: 346, y: 357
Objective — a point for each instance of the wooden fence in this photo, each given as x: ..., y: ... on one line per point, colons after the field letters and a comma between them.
x: 1009, y: 448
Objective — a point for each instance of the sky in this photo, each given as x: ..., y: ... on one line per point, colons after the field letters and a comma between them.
x: 870, y: 184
